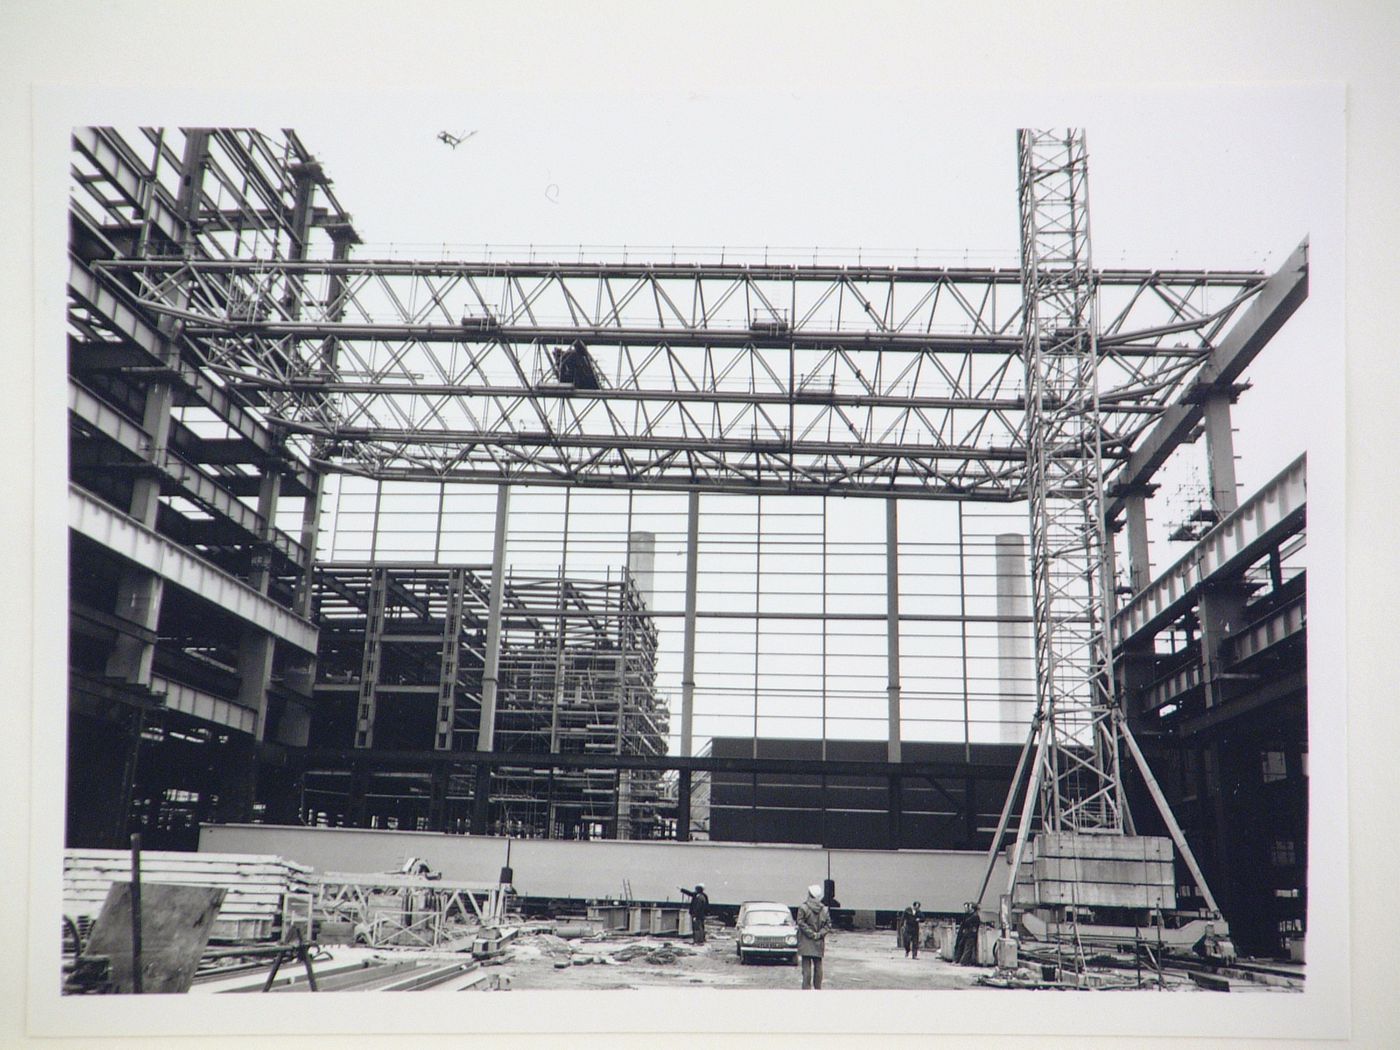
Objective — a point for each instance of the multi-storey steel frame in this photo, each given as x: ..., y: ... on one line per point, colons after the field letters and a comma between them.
x: 403, y: 654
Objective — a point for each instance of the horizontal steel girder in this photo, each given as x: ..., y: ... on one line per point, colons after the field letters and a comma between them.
x: 199, y: 704
x: 1275, y: 512
x: 852, y: 380
x: 129, y: 539
x: 984, y: 769
x: 185, y: 477
x: 115, y: 313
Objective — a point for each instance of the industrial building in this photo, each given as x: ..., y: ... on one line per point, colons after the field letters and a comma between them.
x: 230, y: 355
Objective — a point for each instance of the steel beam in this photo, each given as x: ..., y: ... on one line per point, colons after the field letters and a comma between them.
x: 339, y: 758
x: 698, y: 445
x: 111, y: 156
x: 736, y: 271
x: 1275, y: 303
x: 1273, y: 629
x: 126, y: 537
x: 202, y: 705
x: 182, y: 474
x: 86, y: 288
x: 1276, y: 511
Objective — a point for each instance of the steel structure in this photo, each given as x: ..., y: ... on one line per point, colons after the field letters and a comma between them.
x: 226, y: 353
x: 1071, y: 565
x: 1074, y: 792
x: 402, y: 667
x: 851, y: 380
x: 190, y: 649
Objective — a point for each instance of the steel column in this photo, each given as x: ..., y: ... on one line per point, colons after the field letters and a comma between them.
x: 1139, y: 553
x: 255, y: 647
x: 490, y: 675
x: 683, y: 806
x: 369, y: 659
x: 692, y: 554
x: 139, y: 590
x: 1220, y: 451
x: 893, y: 746
x: 448, y: 665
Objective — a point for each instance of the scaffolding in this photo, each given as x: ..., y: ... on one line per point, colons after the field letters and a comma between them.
x: 401, y: 669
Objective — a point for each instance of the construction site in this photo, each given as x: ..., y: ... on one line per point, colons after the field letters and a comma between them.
x: 444, y: 622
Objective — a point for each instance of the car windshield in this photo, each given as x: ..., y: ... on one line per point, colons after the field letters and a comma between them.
x: 767, y: 916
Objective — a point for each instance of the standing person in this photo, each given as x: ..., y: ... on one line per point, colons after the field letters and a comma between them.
x: 909, y: 929
x: 813, y: 924
x: 965, y: 947
x: 699, y: 908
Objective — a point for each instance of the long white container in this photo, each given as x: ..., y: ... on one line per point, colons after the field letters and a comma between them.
x: 732, y: 872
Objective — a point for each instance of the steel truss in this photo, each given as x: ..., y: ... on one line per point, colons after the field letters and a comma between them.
x: 800, y: 379
x: 1071, y: 569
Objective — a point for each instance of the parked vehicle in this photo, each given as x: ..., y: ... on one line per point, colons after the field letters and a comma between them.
x: 765, y: 929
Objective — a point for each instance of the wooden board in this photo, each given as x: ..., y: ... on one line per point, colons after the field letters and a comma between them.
x: 257, y: 886
x: 175, y: 926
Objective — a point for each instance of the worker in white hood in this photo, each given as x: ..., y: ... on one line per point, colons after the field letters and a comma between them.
x: 813, y: 924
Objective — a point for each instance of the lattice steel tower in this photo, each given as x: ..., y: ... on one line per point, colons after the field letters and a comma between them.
x: 1074, y: 788
x: 1071, y: 573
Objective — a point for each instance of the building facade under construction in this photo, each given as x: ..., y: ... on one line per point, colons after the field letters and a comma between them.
x: 228, y: 356
x: 400, y: 668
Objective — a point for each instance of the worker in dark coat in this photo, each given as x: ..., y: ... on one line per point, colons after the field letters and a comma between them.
x: 909, y: 929
x: 965, y: 947
x: 699, y: 908
x: 813, y: 924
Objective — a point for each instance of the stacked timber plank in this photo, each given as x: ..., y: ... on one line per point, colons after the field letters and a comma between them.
x: 260, y: 889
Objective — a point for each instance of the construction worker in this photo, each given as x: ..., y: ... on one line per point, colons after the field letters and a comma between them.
x: 813, y: 924
x: 965, y: 947
x: 909, y: 929
x: 699, y: 907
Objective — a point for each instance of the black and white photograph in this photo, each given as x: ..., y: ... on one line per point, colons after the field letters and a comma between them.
x: 645, y: 555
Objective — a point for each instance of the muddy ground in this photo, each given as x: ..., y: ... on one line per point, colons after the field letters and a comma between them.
x: 854, y: 959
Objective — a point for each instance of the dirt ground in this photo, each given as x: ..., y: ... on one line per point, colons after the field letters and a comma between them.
x: 539, y: 959
x: 854, y: 959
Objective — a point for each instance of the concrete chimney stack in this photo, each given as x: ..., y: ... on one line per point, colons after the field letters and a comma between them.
x: 641, y: 564
x: 1015, y: 661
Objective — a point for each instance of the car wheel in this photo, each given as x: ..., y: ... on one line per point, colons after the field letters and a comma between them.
x: 743, y: 959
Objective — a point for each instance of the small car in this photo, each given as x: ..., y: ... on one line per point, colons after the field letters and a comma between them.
x: 765, y: 929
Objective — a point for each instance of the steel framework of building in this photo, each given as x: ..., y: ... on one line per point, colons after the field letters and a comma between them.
x: 226, y: 353
x: 403, y: 652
